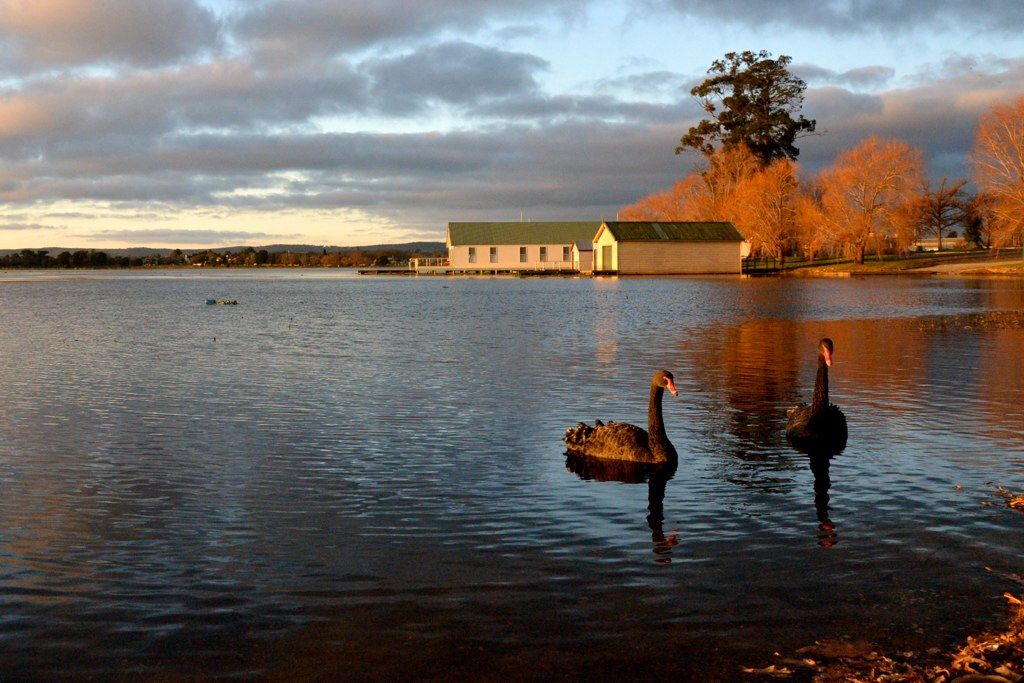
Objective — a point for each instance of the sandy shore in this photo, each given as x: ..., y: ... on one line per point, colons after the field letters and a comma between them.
x: 1010, y: 266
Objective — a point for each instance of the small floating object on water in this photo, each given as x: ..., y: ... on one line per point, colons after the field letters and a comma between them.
x: 222, y: 302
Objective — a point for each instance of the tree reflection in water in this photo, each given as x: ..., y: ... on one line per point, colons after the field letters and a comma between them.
x: 635, y: 473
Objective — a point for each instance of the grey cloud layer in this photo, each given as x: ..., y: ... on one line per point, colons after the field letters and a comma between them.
x: 22, y: 226
x: 173, y: 236
x: 322, y: 27
x: 862, y: 77
x: 860, y: 16
x: 457, y: 73
x: 224, y: 113
x: 43, y: 34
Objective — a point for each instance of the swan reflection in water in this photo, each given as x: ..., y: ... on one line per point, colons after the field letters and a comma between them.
x: 820, y: 462
x: 634, y: 473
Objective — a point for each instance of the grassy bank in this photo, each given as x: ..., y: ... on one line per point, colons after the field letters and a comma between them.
x: 982, y: 262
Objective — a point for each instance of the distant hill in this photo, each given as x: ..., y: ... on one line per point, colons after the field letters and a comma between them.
x: 310, y: 248
x: 272, y: 248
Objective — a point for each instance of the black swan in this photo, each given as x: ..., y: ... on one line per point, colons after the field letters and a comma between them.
x: 621, y: 441
x: 820, y: 426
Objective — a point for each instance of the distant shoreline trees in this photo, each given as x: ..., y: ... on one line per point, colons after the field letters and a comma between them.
x: 248, y: 257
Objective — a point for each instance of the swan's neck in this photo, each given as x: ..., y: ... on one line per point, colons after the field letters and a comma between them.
x: 655, y: 425
x: 819, y: 401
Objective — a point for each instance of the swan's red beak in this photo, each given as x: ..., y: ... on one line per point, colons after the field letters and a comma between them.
x: 671, y: 386
x: 828, y: 356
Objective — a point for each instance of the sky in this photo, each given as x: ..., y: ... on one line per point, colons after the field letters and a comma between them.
x: 200, y: 123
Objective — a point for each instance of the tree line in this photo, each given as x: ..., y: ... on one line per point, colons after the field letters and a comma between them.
x: 874, y: 197
x: 248, y: 257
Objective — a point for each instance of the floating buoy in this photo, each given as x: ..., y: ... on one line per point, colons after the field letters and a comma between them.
x: 222, y: 302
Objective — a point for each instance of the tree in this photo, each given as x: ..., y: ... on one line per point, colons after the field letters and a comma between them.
x: 760, y: 202
x: 998, y: 157
x: 678, y: 203
x: 812, y: 231
x: 765, y: 208
x: 751, y: 98
x: 705, y: 196
x: 978, y: 221
x: 940, y: 209
x: 865, y: 193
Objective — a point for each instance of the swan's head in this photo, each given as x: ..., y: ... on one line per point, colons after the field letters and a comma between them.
x: 825, y: 350
x: 665, y: 380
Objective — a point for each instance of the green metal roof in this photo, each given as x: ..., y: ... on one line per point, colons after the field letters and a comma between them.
x: 675, y: 231
x: 546, y: 232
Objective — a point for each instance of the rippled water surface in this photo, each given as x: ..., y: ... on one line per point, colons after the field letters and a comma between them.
x: 364, y: 477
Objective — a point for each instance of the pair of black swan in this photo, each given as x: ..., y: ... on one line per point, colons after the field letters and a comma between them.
x: 819, y: 427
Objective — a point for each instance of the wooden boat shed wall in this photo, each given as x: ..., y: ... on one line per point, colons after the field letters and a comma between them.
x: 667, y: 248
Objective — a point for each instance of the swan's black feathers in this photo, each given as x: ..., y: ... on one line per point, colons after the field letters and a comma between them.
x: 612, y: 440
x: 826, y: 430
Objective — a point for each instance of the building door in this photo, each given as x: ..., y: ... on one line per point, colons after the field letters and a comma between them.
x: 606, y: 258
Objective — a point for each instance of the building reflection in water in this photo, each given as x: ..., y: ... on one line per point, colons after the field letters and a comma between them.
x: 635, y: 473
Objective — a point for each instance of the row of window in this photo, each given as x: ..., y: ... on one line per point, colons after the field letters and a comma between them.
x: 493, y: 254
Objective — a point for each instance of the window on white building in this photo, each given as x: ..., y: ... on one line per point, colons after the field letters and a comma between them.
x: 566, y: 253
x: 494, y: 255
x: 543, y: 253
x: 522, y: 254
x: 472, y: 254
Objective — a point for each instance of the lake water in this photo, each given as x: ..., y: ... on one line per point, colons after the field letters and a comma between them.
x: 364, y: 477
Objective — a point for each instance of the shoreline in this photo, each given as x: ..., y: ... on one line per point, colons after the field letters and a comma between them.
x: 995, y: 655
x: 1004, y: 268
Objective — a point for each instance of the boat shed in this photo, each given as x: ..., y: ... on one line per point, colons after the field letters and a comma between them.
x: 667, y: 248
x: 524, y: 246
x: 583, y: 256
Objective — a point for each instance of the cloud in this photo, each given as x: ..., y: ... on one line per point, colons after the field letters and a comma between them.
x: 868, y: 77
x: 300, y: 29
x: 659, y: 82
x: 843, y: 17
x: 25, y: 226
x: 939, y: 117
x: 454, y: 72
x: 832, y: 104
x: 556, y: 156
x: 62, y: 115
x: 44, y: 34
x: 164, y: 236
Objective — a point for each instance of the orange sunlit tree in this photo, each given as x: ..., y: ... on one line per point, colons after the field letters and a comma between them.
x: 998, y: 159
x: 758, y: 199
x: 940, y: 210
x: 865, y: 194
